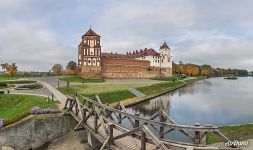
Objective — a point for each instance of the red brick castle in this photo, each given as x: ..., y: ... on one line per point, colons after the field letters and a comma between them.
x: 145, y: 63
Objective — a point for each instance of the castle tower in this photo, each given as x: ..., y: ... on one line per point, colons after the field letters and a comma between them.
x: 89, y: 55
x: 166, y: 61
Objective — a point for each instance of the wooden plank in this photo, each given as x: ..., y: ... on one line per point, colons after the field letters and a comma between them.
x: 104, y: 144
x: 156, y: 140
x: 129, y: 133
x: 101, y: 121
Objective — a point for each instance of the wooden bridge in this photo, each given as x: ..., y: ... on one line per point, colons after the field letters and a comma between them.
x: 106, y: 130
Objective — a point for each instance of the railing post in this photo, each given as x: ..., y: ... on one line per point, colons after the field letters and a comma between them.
x: 95, y: 122
x: 66, y: 104
x: 120, y: 118
x: 197, y: 135
x: 76, y: 107
x: 84, y: 114
x: 143, y: 140
x: 52, y: 96
x: 136, y: 122
x: 110, y: 126
x: 161, y: 127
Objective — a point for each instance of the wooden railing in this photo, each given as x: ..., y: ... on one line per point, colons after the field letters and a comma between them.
x: 102, y: 121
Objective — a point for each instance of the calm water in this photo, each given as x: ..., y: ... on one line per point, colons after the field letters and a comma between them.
x: 212, y: 101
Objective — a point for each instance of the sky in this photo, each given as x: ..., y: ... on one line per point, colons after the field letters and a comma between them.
x: 36, y: 34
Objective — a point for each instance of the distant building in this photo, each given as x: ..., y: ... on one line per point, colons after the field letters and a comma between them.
x: 144, y: 63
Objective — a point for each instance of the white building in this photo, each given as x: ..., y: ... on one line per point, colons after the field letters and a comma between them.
x: 158, y: 60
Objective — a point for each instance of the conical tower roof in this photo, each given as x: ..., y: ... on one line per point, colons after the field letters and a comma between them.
x: 90, y: 32
x: 164, y: 46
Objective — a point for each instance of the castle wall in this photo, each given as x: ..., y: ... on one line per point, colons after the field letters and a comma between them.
x: 124, y: 68
x: 90, y: 72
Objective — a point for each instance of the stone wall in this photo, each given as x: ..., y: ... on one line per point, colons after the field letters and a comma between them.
x: 123, y: 68
x: 129, y: 68
x: 93, y: 72
x: 34, y: 131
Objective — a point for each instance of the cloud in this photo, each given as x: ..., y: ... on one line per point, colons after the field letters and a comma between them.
x: 37, y: 34
x: 31, y: 46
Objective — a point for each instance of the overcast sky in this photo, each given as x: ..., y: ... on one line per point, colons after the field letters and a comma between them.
x: 39, y: 33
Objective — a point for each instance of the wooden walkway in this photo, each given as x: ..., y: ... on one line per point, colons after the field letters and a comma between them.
x: 104, y: 123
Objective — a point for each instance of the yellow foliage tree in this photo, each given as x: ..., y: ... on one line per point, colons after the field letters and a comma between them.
x: 11, y: 69
x: 191, y: 69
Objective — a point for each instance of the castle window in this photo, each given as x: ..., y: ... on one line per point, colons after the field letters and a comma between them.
x: 94, y: 62
x: 89, y: 61
x: 158, y: 61
x: 162, y: 61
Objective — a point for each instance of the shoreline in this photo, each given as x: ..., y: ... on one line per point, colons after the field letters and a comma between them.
x: 160, y: 94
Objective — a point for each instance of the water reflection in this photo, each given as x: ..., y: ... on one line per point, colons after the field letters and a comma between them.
x: 211, y: 101
x: 150, y: 107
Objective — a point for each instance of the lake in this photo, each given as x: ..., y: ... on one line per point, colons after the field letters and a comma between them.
x: 211, y: 101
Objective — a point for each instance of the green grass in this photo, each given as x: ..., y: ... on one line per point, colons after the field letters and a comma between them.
x: 7, y: 77
x: 112, y: 92
x: 211, y: 138
x: 240, y: 132
x: 68, y: 91
x: 163, y: 87
x: 111, y: 97
x: 18, y: 82
x: 164, y: 78
x: 81, y: 80
x: 14, y: 107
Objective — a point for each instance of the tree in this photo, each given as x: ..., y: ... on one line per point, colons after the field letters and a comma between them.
x: 57, y: 69
x: 192, y: 69
x: 4, y: 66
x: 11, y: 69
x: 72, y: 65
x: 71, y: 68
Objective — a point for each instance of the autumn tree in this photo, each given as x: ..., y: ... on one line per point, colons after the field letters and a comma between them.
x: 4, y: 66
x: 191, y: 69
x: 57, y: 69
x: 11, y: 69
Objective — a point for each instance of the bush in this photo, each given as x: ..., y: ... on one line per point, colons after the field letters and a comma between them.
x: 3, y: 84
x: 37, y: 110
x: 31, y: 86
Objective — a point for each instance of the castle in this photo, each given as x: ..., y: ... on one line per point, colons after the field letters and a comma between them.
x: 143, y: 63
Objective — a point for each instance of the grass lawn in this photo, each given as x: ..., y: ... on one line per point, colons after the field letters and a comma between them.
x: 14, y: 107
x: 81, y: 80
x: 163, y: 87
x: 7, y: 77
x: 240, y: 132
x: 114, y: 91
x: 111, y: 97
x: 164, y: 78
x: 95, y: 88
